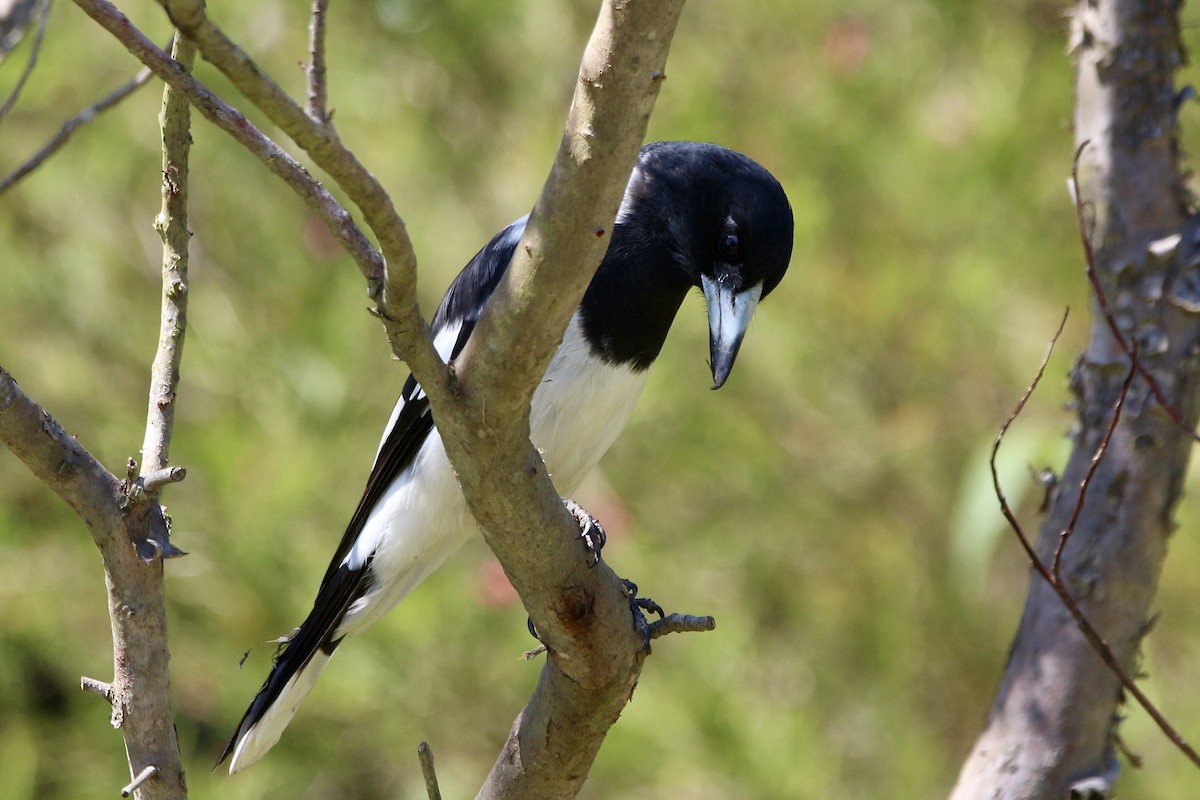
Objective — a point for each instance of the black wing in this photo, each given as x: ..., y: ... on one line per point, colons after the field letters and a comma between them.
x: 461, y: 306
x: 342, y: 585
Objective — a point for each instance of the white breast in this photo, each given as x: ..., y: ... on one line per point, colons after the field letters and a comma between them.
x: 580, y: 408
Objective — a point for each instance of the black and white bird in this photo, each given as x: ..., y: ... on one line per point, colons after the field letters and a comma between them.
x: 693, y: 215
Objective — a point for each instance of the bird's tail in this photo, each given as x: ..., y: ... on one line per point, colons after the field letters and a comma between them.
x: 294, y: 672
x: 272, y: 710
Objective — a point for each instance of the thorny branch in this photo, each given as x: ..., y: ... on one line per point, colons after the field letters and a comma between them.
x: 1051, y: 574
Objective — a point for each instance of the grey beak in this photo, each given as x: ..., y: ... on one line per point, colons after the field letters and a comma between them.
x: 729, y: 314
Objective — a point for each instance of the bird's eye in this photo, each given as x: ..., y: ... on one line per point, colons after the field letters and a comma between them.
x: 731, y: 248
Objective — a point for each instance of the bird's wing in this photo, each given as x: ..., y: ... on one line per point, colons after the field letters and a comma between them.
x: 346, y: 581
x: 452, y: 325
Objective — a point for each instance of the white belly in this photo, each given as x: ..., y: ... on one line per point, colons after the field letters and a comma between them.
x: 578, y: 411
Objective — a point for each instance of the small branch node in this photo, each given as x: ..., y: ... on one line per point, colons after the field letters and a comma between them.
x: 681, y: 623
x: 161, y: 477
x: 425, y: 756
x: 530, y: 655
x: 143, y: 776
x: 99, y: 688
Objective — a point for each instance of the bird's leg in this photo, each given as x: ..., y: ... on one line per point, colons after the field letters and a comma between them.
x: 638, y: 605
x: 590, y: 531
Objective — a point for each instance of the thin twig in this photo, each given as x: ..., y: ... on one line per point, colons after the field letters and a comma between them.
x: 172, y: 226
x: 318, y: 88
x: 1106, y: 310
x: 1097, y: 457
x: 30, y: 63
x: 70, y: 126
x: 1016, y: 412
x: 1097, y: 642
x: 425, y: 756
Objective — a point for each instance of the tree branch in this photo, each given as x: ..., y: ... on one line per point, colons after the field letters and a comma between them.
x: 70, y: 126
x: 172, y: 226
x: 1053, y: 725
x: 140, y: 691
x: 318, y: 89
x: 233, y: 122
x: 397, y: 297
x: 584, y: 615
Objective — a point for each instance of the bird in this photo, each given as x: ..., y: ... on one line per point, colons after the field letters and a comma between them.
x: 693, y: 215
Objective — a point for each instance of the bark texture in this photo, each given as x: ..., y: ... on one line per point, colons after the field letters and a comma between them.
x: 1051, y: 727
x: 118, y: 517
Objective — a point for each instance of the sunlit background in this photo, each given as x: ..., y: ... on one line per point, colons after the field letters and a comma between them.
x: 829, y: 506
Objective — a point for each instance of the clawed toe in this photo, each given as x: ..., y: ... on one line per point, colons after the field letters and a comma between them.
x: 638, y: 605
x: 591, y: 532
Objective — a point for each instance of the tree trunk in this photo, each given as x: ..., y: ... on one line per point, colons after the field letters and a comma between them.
x: 1051, y: 727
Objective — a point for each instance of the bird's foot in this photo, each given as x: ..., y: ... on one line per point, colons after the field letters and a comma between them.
x: 638, y: 606
x: 591, y: 532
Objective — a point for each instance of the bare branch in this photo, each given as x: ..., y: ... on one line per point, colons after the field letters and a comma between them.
x: 278, y: 161
x: 154, y: 481
x: 1055, y: 715
x: 140, y: 692
x: 318, y: 96
x: 70, y: 126
x: 53, y: 455
x: 397, y: 302
x: 172, y: 226
x: 1052, y: 576
x: 30, y: 63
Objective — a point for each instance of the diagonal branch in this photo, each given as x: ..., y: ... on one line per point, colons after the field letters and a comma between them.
x: 70, y: 126
x: 583, y: 615
x: 233, y: 122
x: 53, y: 455
x: 397, y: 301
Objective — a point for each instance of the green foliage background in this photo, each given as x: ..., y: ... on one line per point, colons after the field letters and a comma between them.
x: 828, y: 506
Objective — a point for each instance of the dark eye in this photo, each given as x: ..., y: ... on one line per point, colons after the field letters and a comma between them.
x: 730, y: 247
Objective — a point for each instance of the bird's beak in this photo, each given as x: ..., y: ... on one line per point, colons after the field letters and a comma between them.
x: 729, y: 313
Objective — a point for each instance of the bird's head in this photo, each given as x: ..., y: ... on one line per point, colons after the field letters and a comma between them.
x: 729, y: 229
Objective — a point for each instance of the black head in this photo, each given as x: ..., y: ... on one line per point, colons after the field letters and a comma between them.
x: 728, y: 226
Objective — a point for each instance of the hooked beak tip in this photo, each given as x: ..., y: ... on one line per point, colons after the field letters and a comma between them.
x: 729, y: 315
